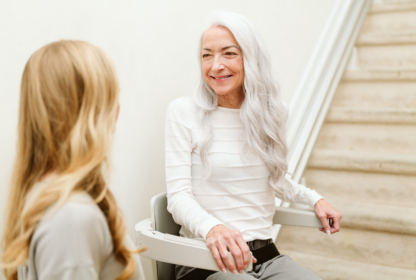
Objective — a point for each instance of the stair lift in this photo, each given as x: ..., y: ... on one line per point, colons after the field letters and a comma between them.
x: 160, y: 235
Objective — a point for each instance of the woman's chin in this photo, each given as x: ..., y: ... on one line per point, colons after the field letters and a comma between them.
x: 221, y: 91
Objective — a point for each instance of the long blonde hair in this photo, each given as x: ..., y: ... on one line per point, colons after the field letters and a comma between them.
x: 67, y: 115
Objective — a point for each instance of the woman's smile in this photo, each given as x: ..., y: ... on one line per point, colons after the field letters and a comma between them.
x: 221, y: 79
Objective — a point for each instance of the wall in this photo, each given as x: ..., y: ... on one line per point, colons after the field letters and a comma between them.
x: 153, y: 44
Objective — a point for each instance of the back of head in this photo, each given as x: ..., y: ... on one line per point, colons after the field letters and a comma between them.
x: 68, y: 106
x: 68, y: 109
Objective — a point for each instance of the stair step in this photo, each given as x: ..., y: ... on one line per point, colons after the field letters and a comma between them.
x: 362, y: 161
x: 373, y: 115
x: 379, y: 76
x: 330, y: 268
x: 375, y: 217
x: 387, y: 57
x: 375, y: 138
x: 400, y: 18
x: 383, y: 94
x: 363, y: 187
x: 382, y: 38
x: 380, y: 248
x: 393, y: 6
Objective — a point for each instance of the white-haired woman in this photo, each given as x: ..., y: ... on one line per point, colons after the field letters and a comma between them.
x: 226, y: 158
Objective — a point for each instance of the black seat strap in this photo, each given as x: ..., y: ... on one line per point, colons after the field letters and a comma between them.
x: 262, y: 255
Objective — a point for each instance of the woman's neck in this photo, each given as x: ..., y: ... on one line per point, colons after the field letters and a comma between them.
x: 48, y: 176
x: 231, y: 100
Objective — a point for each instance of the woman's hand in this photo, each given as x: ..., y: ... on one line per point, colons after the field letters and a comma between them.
x: 221, y: 240
x: 325, y: 211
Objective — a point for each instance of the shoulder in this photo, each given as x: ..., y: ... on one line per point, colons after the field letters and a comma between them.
x: 182, y: 109
x: 182, y: 103
x: 79, y: 212
x: 79, y: 222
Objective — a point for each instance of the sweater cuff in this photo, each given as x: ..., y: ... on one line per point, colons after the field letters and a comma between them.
x: 313, y: 198
x: 207, y: 226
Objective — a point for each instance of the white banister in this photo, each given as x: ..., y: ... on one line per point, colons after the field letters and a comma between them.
x: 314, y: 94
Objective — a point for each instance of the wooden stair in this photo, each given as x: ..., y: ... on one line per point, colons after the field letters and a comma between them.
x: 364, y: 161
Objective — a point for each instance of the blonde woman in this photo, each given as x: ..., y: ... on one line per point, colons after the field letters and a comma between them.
x: 62, y: 220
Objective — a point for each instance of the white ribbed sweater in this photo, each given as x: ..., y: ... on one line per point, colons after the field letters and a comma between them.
x: 237, y: 194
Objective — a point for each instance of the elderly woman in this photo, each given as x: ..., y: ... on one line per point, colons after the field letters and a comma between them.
x: 226, y: 158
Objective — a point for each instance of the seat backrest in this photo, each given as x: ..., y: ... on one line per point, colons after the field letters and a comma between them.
x: 163, y: 222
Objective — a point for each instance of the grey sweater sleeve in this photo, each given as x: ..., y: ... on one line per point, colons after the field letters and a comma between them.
x: 74, y: 243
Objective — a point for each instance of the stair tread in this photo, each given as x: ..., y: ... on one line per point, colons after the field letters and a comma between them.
x: 372, y: 115
x: 376, y: 217
x: 383, y: 38
x: 392, y: 7
x: 374, y: 75
x: 363, y: 161
x: 376, y: 247
x: 330, y: 268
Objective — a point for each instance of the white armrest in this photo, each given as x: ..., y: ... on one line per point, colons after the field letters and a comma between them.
x: 296, y: 217
x: 174, y: 249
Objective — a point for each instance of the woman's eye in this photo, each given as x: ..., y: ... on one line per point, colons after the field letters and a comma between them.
x: 230, y: 53
x: 205, y: 55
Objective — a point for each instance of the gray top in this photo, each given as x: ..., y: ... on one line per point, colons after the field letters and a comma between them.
x: 74, y: 243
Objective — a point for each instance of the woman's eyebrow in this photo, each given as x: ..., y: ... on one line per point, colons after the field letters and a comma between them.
x: 230, y: 46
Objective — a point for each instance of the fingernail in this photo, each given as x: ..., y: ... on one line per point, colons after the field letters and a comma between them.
x: 328, y: 232
x: 224, y: 270
x: 241, y: 272
x: 235, y: 272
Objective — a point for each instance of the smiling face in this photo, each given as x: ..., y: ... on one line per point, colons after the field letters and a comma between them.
x: 222, y: 62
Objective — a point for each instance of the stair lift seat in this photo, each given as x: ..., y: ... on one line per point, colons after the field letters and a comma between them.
x: 160, y: 235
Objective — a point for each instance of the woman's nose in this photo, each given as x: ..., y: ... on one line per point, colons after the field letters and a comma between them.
x: 218, y: 64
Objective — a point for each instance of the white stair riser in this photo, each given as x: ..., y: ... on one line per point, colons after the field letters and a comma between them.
x: 390, y: 22
x: 376, y: 95
x: 387, y: 57
x: 363, y: 187
x: 377, y: 138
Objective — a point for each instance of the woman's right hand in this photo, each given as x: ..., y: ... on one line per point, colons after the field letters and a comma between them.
x: 221, y: 240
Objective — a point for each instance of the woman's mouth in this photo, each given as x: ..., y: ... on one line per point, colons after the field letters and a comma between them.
x: 221, y: 78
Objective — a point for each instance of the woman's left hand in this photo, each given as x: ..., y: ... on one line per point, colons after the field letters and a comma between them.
x: 325, y: 211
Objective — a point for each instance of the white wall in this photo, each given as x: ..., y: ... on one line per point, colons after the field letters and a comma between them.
x: 153, y: 44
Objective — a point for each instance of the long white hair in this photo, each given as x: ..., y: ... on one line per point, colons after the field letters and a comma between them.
x: 262, y: 112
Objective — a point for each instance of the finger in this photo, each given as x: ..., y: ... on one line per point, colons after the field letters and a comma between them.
x: 226, y: 257
x: 217, y: 257
x: 336, y: 224
x: 237, y: 254
x: 325, y: 224
x: 245, y: 249
x: 254, y: 259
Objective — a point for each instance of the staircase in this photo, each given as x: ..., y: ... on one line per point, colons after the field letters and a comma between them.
x: 364, y: 161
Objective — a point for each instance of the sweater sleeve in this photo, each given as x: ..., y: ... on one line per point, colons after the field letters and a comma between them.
x: 290, y: 191
x: 182, y: 204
